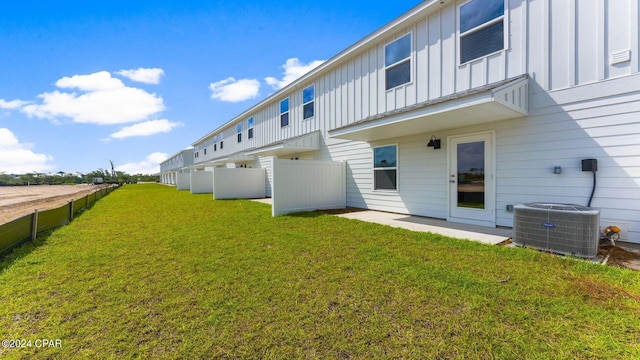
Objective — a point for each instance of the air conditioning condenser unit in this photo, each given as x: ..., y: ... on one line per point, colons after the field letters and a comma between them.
x: 561, y: 228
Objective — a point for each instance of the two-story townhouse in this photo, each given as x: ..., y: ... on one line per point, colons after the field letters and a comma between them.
x: 460, y: 109
x: 174, y: 165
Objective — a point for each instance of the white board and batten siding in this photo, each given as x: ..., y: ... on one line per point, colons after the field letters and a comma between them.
x: 307, y: 185
x: 241, y: 183
x: 201, y: 182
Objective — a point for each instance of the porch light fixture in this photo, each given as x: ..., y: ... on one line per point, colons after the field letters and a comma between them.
x: 435, y: 143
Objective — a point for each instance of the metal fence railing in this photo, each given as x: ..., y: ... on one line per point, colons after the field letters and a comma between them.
x: 29, y: 226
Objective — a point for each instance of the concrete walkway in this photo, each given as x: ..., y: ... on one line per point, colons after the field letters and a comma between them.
x: 483, y: 234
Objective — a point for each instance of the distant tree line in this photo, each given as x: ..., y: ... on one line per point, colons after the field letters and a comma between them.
x: 63, y: 178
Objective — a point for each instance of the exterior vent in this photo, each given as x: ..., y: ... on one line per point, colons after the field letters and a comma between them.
x: 560, y: 228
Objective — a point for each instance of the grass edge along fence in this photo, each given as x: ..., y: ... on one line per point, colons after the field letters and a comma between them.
x: 25, y: 228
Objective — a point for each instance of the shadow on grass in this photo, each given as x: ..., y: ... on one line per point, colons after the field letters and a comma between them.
x: 26, y: 247
x: 23, y: 249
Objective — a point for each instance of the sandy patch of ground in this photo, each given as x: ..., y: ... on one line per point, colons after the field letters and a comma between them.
x: 17, y: 201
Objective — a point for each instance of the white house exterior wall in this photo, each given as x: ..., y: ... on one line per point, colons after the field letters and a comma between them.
x: 582, y: 61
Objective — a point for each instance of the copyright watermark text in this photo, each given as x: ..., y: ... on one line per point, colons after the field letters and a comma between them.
x: 31, y: 343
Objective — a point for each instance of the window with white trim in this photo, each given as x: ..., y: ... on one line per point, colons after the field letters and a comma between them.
x: 239, y: 131
x: 308, y: 100
x: 385, y: 167
x: 481, y: 28
x: 250, y: 128
x: 221, y: 141
x: 397, y: 62
x: 215, y: 143
x: 284, y: 112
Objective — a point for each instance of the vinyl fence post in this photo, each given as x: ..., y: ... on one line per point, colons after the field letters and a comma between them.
x: 70, y: 210
x: 34, y: 225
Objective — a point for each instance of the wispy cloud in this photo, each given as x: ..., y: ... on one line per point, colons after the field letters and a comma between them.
x: 150, y: 165
x: 232, y: 90
x: 293, y: 69
x: 146, y: 128
x: 12, y: 105
x: 143, y: 75
x: 102, y: 100
x: 18, y: 158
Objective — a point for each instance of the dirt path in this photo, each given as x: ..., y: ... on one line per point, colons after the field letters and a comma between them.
x: 17, y: 201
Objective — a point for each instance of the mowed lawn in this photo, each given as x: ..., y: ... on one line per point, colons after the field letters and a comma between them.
x: 152, y: 272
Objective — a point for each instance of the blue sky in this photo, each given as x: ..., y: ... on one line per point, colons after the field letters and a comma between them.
x: 84, y: 82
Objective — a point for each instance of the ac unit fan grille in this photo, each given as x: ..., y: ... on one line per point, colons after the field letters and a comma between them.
x: 571, y: 232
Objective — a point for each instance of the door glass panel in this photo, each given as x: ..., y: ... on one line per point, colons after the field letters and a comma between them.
x: 471, y: 184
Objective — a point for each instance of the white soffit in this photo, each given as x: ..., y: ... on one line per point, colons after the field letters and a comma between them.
x: 300, y: 144
x: 501, y: 101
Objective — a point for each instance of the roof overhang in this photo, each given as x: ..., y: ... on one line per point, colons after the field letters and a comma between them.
x: 234, y: 158
x: 504, y: 100
x: 296, y: 145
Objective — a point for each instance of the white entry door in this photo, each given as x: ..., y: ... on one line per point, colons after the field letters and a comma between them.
x: 471, y: 179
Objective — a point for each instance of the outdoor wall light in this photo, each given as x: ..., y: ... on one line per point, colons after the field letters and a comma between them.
x: 435, y: 143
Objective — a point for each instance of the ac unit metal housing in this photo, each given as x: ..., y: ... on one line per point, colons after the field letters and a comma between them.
x: 560, y: 228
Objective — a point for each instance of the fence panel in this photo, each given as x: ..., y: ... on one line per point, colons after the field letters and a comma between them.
x: 307, y: 185
x: 238, y: 183
x: 50, y: 219
x: 202, y: 182
x: 15, y: 232
x: 79, y: 205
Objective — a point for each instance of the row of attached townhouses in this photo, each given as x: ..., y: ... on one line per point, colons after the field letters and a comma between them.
x: 456, y: 110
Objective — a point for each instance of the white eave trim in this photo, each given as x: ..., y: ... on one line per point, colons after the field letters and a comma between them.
x: 504, y: 100
x: 296, y: 145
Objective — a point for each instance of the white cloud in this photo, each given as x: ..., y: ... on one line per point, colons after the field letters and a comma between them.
x: 293, y: 69
x: 147, y: 76
x: 150, y: 165
x: 146, y: 128
x: 100, y: 81
x: 104, y: 101
x: 12, y: 105
x: 232, y: 90
x: 17, y: 158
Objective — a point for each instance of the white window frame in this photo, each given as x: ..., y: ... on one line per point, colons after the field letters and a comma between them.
x: 250, y: 131
x: 288, y: 112
x: 374, y: 168
x: 239, y: 132
x: 505, y: 30
x: 410, y: 58
x: 312, y: 102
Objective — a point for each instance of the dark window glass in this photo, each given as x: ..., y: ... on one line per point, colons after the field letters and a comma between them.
x: 385, y: 179
x: 308, y: 110
x: 284, y: 119
x: 398, y: 75
x: 397, y: 50
x: 482, y: 42
x: 221, y: 145
x: 384, y: 156
x: 250, y: 133
x: 308, y: 94
x: 240, y: 137
x: 478, y: 12
x: 284, y: 106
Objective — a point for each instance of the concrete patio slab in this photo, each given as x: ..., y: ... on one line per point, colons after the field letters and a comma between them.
x: 482, y: 234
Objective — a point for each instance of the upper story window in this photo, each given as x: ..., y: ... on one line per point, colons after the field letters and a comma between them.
x: 239, y: 130
x: 308, y: 100
x: 481, y: 28
x: 385, y: 168
x: 221, y: 141
x: 215, y: 143
x: 250, y: 128
x: 397, y: 62
x: 284, y: 112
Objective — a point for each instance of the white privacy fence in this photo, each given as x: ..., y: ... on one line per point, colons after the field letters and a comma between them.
x: 183, y: 181
x: 202, y: 182
x: 307, y: 185
x: 238, y: 183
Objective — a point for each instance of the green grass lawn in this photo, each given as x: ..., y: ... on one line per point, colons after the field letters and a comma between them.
x: 151, y: 272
